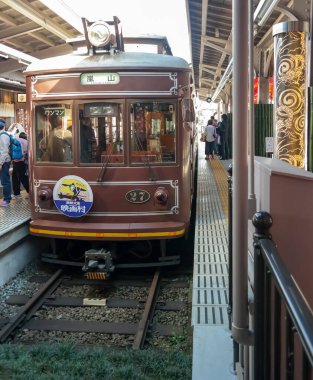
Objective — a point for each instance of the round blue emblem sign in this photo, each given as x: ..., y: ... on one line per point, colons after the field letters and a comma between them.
x: 72, y: 196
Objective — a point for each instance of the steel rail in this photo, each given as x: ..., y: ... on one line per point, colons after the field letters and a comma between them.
x: 30, y: 308
x: 148, y: 312
x: 44, y: 296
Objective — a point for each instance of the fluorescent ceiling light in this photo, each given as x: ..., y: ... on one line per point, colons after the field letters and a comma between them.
x: 9, y: 81
x: 259, y: 8
x: 264, y: 10
x: 222, y: 82
x: 23, y: 62
x: 15, y: 54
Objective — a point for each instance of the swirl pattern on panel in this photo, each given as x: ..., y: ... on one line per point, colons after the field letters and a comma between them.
x: 290, y: 52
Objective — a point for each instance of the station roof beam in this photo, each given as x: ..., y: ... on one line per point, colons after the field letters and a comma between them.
x: 211, y: 38
x: 31, y: 30
x: 39, y: 19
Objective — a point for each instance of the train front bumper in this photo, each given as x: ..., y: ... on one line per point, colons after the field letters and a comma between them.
x: 108, y: 231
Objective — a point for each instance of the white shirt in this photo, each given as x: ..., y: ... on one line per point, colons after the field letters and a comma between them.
x: 209, y: 133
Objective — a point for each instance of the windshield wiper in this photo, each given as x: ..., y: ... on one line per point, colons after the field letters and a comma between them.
x: 146, y: 158
x: 106, y: 162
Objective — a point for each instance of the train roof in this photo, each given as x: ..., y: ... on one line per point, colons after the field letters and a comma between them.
x: 118, y: 61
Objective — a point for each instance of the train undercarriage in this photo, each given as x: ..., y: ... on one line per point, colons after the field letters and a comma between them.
x: 98, y: 260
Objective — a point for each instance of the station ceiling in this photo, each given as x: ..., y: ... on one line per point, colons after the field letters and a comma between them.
x: 32, y: 28
x: 211, y: 39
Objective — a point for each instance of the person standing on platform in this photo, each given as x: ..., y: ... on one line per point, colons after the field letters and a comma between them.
x: 217, y: 138
x: 5, y: 161
x: 20, y: 172
x: 210, y: 136
x: 222, y: 130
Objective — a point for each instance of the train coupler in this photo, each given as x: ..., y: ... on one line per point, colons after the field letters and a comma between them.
x: 98, y: 264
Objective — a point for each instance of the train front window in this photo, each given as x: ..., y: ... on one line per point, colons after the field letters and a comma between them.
x: 101, y: 133
x: 153, y: 132
x: 54, y: 142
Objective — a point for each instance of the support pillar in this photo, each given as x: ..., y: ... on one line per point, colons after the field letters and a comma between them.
x: 290, y: 82
x: 240, y: 324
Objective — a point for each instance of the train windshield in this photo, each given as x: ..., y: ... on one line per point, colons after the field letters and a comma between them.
x: 53, y: 124
x: 101, y: 133
x: 153, y: 132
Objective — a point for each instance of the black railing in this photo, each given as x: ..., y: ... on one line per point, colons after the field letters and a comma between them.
x: 230, y: 262
x: 283, y: 321
x: 230, y: 238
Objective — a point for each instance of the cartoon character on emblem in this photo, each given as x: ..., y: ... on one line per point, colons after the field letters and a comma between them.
x: 75, y: 190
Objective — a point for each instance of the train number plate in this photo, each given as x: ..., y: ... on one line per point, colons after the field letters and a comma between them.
x: 137, y: 196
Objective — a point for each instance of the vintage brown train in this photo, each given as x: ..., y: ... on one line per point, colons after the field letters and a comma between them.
x: 112, y: 149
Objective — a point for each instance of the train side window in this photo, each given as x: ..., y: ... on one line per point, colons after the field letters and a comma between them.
x: 153, y: 132
x: 101, y: 133
x: 54, y: 140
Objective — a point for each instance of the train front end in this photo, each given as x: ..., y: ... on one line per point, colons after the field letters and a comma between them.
x: 111, y: 154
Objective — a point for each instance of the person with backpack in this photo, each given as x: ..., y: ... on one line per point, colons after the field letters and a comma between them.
x: 5, y: 161
x: 19, y: 173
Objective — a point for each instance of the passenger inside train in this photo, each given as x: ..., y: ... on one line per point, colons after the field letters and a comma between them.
x: 54, y: 139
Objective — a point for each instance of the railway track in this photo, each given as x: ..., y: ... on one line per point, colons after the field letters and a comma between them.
x: 31, y: 315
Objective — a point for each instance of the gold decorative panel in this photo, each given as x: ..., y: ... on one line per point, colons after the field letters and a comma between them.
x: 290, y: 81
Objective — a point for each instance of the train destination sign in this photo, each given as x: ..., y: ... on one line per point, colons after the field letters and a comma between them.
x: 99, y: 78
x: 55, y: 111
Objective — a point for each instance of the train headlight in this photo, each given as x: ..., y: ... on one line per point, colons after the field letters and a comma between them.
x: 99, y: 34
x: 161, y: 195
x: 45, y: 194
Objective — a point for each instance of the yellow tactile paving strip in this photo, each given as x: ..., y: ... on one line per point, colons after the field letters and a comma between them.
x: 220, y: 176
x: 210, y: 278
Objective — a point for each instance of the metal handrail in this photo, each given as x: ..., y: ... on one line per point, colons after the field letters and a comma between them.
x: 269, y: 269
x: 300, y: 312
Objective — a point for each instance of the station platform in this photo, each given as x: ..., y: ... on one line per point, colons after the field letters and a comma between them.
x: 14, y: 238
x: 212, y: 342
x: 15, y: 215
